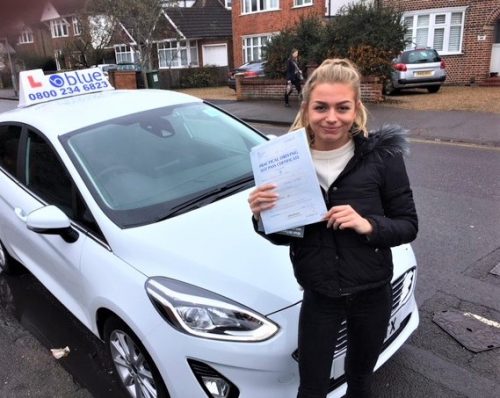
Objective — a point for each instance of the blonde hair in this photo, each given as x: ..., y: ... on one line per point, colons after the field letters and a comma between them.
x: 333, y: 71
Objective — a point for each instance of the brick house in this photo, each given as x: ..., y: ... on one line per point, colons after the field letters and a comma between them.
x: 46, y: 29
x: 205, y: 28
x: 466, y: 33
x: 190, y: 35
x: 256, y: 22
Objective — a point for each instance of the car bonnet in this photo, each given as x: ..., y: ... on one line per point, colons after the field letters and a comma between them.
x: 216, y: 248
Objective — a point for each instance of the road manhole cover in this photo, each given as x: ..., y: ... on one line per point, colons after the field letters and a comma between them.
x: 496, y: 270
x: 474, y: 332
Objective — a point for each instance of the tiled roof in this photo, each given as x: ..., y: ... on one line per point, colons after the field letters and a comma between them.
x: 67, y: 7
x: 206, y: 18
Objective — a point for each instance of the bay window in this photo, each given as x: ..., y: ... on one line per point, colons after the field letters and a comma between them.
x: 26, y: 36
x: 59, y: 28
x: 178, y: 54
x: 250, y: 6
x: 77, y: 31
x: 253, y: 46
x: 125, y: 54
x: 441, y: 29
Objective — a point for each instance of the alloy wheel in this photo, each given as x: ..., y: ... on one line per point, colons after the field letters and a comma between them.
x: 3, y: 259
x: 132, y: 366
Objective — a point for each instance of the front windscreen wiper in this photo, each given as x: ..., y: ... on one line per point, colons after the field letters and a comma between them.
x: 219, y: 192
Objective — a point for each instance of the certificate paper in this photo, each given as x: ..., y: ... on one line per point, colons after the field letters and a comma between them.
x: 286, y: 161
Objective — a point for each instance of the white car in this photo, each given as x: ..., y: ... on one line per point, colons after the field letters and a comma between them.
x: 131, y: 208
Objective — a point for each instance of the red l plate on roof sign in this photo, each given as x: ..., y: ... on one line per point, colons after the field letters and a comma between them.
x: 35, y: 87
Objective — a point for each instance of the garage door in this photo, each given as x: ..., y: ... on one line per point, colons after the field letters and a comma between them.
x: 215, y: 54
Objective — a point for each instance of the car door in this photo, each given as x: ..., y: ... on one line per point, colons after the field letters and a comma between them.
x: 41, y: 179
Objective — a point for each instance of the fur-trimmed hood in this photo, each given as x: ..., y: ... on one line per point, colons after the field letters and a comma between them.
x: 390, y: 139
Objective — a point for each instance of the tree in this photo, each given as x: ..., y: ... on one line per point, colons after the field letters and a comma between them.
x: 368, y: 34
x: 93, y: 42
x: 306, y: 37
x: 139, y: 17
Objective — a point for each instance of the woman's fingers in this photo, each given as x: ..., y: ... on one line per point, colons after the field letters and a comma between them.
x: 262, y: 198
x: 344, y: 216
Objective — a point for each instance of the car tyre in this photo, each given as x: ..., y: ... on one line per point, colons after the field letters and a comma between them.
x: 133, y: 366
x: 389, y: 88
x: 7, y: 264
x: 433, y: 89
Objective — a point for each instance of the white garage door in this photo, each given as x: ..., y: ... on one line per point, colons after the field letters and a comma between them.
x: 215, y: 54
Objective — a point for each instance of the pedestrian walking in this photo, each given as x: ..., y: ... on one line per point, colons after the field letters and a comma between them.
x: 294, y: 76
x: 344, y: 263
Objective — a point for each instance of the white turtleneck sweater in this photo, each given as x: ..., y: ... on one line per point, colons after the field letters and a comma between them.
x: 329, y: 164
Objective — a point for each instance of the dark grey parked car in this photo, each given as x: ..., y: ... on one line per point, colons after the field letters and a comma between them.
x: 248, y: 70
x: 418, y: 68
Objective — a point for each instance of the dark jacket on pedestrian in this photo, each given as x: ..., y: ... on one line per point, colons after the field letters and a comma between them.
x: 376, y: 185
x: 293, y: 72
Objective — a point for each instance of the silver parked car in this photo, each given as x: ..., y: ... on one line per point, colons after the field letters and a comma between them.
x: 418, y: 68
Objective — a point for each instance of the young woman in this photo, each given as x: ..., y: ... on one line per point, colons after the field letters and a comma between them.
x: 344, y: 263
x: 293, y: 76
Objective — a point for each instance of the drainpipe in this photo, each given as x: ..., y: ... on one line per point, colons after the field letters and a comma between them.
x: 8, y: 49
x: 12, y: 75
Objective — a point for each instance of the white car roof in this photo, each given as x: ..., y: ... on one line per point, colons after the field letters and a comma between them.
x: 60, y: 116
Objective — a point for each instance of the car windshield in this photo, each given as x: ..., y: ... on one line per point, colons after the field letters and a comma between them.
x: 152, y: 165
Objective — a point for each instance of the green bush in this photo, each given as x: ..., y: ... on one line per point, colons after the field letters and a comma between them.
x: 368, y: 34
x: 306, y: 37
x: 198, y: 77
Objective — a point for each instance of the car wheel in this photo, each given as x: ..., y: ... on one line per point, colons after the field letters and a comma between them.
x: 433, y: 89
x: 389, y: 88
x: 134, y: 368
x: 7, y: 264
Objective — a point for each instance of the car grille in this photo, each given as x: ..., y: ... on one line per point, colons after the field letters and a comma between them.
x: 397, y: 289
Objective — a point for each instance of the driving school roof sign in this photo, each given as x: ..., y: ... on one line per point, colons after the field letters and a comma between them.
x: 35, y: 86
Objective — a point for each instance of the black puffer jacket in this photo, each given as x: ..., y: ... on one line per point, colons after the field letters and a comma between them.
x: 375, y: 184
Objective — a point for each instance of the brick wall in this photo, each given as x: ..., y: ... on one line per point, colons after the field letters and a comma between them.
x: 253, y: 89
x: 480, y: 17
x: 266, y: 22
x: 123, y: 79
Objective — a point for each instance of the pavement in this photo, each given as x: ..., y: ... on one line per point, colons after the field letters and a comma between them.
x: 480, y: 128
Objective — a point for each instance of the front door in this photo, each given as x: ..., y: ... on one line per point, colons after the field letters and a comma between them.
x: 495, y: 51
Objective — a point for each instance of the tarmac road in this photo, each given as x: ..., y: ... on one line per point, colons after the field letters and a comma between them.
x: 457, y: 192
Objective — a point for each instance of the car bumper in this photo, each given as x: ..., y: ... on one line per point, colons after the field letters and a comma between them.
x: 424, y: 82
x: 231, y: 83
x: 265, y: 369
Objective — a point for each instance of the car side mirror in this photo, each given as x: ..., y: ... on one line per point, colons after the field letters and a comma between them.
x: 51, y: 220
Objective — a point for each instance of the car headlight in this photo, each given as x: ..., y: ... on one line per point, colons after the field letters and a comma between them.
x: 202, y: 313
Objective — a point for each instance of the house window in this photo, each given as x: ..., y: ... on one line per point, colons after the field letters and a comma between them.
x: 26, y: 36
x: 300, y: 3
x: 77, y: 29
x: 125, y: 54
x: 228, y: 4
x: 59, y: 28
x: 252, y: 47
x: 249, y: 6
x: 178, y: 54
x: 440, y: 29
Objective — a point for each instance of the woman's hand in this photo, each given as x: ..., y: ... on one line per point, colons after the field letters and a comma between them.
x: 345, y: 216
x: 262, y: 198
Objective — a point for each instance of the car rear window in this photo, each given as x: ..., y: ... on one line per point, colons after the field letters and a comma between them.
x: 420, y: 57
